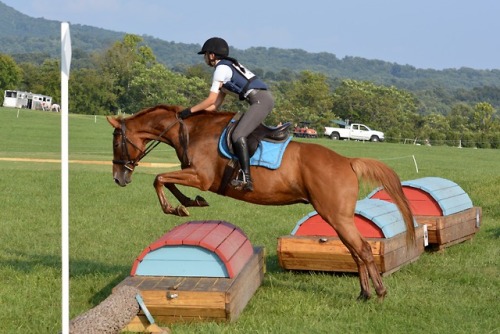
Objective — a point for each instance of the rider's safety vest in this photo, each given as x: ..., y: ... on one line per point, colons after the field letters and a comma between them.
x: 242, y: 79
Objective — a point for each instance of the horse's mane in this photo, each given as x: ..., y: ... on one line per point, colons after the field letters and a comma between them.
x: 176, y: 108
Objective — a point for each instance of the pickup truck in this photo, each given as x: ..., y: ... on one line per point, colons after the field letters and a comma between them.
x: 353, y: 131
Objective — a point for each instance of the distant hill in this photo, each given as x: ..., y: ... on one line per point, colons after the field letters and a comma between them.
x: 21, y: 34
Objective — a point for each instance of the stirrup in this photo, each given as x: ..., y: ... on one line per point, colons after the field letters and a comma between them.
x: 242, y: 182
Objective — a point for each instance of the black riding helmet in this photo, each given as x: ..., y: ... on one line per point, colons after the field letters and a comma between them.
x: 215, y: 45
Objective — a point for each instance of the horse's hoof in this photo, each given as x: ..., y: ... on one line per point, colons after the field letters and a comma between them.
x: 182, y: 211
x: 381, y: 295
x: 200, y: 201
x: 363, y: 296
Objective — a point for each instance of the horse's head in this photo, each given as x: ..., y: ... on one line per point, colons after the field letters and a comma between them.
x: 128, y: 149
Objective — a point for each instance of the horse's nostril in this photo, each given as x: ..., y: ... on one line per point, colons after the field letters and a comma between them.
x: 117, y: 181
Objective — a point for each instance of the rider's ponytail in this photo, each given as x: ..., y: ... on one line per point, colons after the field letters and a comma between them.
x: 235, y: 62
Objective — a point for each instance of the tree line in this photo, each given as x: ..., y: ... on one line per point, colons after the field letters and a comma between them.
x: 127, y: 77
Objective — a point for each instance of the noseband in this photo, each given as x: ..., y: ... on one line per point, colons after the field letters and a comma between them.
x: 130, y: 163
x: 125, y: 159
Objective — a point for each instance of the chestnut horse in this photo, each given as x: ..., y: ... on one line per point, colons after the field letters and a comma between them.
x: 309, y: 173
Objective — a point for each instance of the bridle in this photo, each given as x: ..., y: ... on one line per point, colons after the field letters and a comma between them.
x: 130, y: 163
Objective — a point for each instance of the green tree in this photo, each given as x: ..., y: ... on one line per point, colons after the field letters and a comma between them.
x: 385, y: 108
x: 483, y: 116
x: 42, y: 79
x: 91, y: 92
x: 306, y: 99
x: 458, y: 120
x: 10, y: 73
x: 434, y: 129
x: 158, y: 85
x: 124, y: 61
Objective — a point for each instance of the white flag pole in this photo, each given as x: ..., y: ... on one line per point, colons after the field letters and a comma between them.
x: 65, y: 66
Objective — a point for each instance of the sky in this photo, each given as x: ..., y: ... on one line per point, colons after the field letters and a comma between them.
x: 428, y: 34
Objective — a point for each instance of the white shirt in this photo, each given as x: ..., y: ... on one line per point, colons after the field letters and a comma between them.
x: 222, y: 74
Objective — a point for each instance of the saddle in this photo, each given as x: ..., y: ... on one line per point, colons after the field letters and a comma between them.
x: 276, y: 135
x: 263, y: 132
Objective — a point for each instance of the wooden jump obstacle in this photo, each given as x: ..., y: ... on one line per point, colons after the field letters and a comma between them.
x: 443, y: 206
x: 198, y: 271
x: 314, y: 244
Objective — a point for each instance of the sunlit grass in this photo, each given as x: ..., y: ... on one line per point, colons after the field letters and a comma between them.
x: 455, y: 291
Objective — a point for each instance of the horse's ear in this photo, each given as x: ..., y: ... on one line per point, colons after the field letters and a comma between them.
x: 113, y: 121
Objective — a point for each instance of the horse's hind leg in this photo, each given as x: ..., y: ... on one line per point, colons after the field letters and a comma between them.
x: 364, y: 278
x: 341, y: 218
x: 362, y: 252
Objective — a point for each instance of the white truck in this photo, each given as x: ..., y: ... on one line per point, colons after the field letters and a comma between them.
x: 353, y: 131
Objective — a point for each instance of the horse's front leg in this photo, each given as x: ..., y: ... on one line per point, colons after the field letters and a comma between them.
x: 186, y: 177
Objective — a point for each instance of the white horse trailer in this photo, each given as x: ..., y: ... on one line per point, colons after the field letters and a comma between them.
x: 20, y: 99
x: 15, y: 99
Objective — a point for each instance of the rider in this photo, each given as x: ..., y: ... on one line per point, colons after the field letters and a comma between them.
x: 231, y: 77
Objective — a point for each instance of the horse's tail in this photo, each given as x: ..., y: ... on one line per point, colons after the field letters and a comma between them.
x: 378, y: 173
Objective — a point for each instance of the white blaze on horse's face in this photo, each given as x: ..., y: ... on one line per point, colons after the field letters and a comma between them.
x: 122, y: 171
x: 122, y: 175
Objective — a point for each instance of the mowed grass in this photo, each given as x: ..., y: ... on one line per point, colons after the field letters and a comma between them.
x: 454, y: 291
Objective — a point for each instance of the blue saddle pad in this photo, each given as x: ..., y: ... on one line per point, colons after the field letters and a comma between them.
x: 267, y: 155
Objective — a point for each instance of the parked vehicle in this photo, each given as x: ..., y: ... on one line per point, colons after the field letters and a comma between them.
x: 353, y: 131
x: 303, y: 130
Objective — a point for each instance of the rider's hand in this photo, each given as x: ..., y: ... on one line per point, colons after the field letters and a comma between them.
x: 185, y: 113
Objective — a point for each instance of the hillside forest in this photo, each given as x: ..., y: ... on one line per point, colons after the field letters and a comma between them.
x: 127, y: 77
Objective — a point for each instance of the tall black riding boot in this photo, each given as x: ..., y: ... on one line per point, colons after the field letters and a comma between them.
x: 243, y: 181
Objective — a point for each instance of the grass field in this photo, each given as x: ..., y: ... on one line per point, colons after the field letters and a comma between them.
x: 454, y: 291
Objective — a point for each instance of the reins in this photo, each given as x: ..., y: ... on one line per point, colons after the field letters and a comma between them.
x: 130, y: 163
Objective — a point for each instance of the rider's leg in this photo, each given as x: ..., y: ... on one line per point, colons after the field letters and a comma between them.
x: 244, y: 180
x: 261, y: 105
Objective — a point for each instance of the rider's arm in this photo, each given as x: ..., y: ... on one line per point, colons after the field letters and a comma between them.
x: 216, y: 96
x: 218, y: 102
x: 213, y: 101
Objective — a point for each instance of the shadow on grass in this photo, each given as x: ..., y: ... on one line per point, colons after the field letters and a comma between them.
x: 25, y: 262
x: 493, y: 232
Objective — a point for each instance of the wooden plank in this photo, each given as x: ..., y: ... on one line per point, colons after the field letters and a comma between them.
x: 446, y: 229
x: 176, y: 236
x: 167, y: 283
x: 333, y: 264
x: 199, y: 298
x: 401, y: 256
x: 307, y: 253
x: 168, y: 319
x: 231, y: 244
x: 200, y: 233
x: 216, y: 237
x: 328, y: 245
x: 399, y: 241
x: 245, y: 285
x: 240, y: 259
x: 460, y: 229
x: 192, y: 310
x: 181, y: 299
x: 140, y: 324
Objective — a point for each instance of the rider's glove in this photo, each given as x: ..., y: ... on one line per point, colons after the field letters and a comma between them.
x: 185, y: 113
